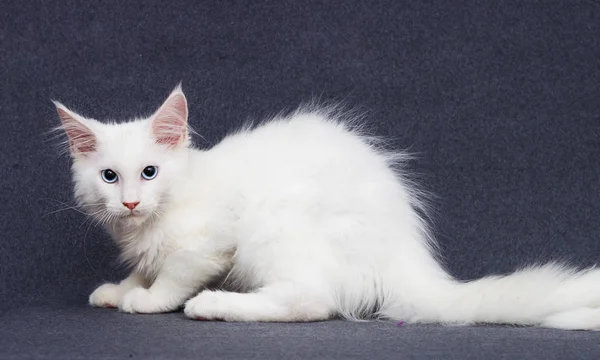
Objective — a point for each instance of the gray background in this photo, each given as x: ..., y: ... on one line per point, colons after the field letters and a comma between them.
x: 499, y: 99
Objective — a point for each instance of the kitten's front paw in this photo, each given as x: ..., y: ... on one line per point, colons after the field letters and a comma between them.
x: 107, y: 296
x: 142, y: 301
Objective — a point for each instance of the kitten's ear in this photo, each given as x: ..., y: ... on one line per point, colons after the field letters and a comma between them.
x: 82, y: 140
x: 169, y: 123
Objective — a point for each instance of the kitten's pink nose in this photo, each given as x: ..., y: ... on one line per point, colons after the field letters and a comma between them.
x: 131, y: 205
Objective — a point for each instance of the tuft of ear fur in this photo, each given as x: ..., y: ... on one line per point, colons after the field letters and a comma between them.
x: 169, y: 123
x: 82, y: 140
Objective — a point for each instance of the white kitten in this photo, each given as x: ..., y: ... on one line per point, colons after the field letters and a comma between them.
x: 305, y: 217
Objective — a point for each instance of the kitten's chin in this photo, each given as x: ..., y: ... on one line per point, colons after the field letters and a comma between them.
x: 134, y: 219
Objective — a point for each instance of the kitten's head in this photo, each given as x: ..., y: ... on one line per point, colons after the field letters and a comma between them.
x: 125, y: 172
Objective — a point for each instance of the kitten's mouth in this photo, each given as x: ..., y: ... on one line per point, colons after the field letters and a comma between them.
x: 133, y: 218
x: 131, y: 214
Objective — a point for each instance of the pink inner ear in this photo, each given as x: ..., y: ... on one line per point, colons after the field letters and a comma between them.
x: 170, y: 121
x: 81, y: 141
x: 81, y: 138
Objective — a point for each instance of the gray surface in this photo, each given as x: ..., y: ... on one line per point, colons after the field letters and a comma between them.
x: 100, y: 334
x: 499, y: 100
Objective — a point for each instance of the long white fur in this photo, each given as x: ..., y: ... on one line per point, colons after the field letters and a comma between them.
x: 302, y: 218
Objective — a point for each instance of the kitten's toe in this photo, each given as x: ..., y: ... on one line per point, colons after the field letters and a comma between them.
x: 139, y: 300
x: 205, y: 306
x: 107, y: 296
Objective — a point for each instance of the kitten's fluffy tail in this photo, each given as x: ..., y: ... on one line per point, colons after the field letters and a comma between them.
x: 550, y: 296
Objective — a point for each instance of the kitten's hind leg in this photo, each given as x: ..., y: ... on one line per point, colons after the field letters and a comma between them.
x: 276, y: 303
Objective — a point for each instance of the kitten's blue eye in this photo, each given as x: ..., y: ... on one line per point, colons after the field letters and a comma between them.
x: 109, y: 176
x: 149, y: 172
